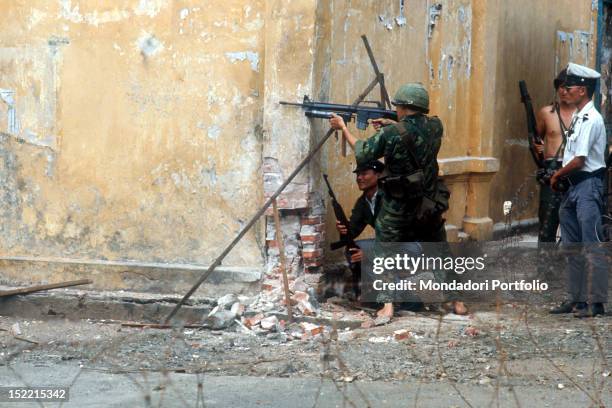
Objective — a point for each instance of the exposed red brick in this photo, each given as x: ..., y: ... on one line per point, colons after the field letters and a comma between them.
x: 312, y: 220
x: 402, y: 334
x: 311, y: 329
x: 313, y: 238
x: 309, y: 254
x: 252, y: 321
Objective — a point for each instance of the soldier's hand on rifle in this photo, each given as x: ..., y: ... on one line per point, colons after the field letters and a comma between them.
x: 539, y: 147
x: 341, y: 228
x: 553, y: 181
x: 378, y: 123
x: 336, y: 122
x: 356, y: 255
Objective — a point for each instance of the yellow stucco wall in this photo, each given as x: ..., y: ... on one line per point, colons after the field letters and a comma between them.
x: 142, y: 128
x: 143, y: 124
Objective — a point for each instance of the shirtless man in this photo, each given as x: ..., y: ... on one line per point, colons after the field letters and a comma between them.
x: 551, y: 121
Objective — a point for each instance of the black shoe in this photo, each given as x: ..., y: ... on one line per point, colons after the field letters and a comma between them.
x: 593, y: 310
x: 568, y: 307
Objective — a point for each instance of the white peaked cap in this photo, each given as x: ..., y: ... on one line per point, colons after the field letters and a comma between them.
x: 582, y: 71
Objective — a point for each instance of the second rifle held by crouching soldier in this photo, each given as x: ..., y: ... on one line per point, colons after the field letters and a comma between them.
x: 364, y: 213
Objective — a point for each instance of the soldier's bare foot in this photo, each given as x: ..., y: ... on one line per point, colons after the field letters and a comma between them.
x: 386, y: 311
x: 459, y: 308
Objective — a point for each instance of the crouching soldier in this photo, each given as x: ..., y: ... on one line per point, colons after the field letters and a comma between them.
x: 364, y: 213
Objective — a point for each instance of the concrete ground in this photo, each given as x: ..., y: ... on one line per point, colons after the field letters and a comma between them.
x: 105, y: 390
x: 497, y: 356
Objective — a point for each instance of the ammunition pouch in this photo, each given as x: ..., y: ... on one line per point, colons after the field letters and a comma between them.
x: 430, y: 210
x: 404, y: 187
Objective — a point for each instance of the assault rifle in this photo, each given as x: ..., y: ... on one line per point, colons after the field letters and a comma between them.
x: 363, y: 113
x: 532, y: 134
x: 345, y: 239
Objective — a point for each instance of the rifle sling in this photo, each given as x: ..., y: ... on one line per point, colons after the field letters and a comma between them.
x: 564, y: 131
x: 408, y: 140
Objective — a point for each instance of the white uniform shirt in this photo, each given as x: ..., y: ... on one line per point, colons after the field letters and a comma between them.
x: 372, y: 203
x: 588, y: 139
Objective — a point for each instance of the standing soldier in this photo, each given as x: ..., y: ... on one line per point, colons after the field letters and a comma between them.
x: 581, y: 210
x: 414, y: 199
x: 552, y: 123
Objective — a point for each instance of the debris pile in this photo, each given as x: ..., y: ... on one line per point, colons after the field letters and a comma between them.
x: 266, y: 313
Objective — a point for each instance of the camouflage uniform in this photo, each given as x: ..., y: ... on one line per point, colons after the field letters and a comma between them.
x: 395, y: 220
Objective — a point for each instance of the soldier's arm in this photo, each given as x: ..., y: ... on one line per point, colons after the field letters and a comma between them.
x: 337, y: 123
x: 371, y: 149
x: 541, y: 127
x: 368, y: 150
x: 541, y: 121
x: 437, y: 131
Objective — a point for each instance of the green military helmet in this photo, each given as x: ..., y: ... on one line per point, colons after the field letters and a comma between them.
x: 412, y: 94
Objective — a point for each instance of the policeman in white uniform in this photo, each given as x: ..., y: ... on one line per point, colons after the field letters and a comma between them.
x: 582, y: 206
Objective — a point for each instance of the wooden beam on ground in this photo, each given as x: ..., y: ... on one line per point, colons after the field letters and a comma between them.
x: 39, y: 288
x: 161, y: 326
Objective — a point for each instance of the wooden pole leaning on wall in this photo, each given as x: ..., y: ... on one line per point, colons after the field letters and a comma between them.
x: 280, y: 242
x: 250, y: 224
x: 303, y: 163
x: 379, y: 79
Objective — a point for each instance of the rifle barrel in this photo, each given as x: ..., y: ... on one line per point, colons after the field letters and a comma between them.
x: 291, y: 103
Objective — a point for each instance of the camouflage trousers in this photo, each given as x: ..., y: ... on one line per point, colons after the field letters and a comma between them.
x: 548, y: 214
x: 396, y: 223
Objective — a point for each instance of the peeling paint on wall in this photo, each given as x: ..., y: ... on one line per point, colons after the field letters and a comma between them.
x: 95, y: 18
x: 149, y: 45
x: 435, y: 12
x: 213, y: 132
x: 8, y: 97
x: 572, y: 47
x: 30, y: 74
x: 150, y: 8
x: 252, y: 57
x: 386, y: 21
x: 401, y: 19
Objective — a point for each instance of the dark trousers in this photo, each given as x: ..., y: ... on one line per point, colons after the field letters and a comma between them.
x: 367, y: 246
x: 581, y: 231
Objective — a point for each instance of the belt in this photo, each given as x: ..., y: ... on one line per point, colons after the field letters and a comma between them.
x: 580, y: 176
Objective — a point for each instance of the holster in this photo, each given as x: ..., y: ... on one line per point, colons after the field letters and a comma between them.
x: 404, y: 187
